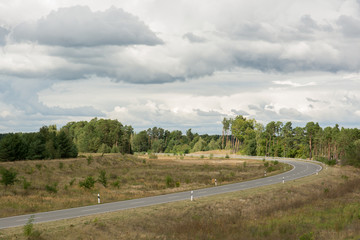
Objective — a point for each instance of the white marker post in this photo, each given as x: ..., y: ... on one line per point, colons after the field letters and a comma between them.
x: 99, y: 198
x: 283, y: 180
x: 215, y: 182
x: 192, y: 196
x: 264, y: 173
x: 317, y: 172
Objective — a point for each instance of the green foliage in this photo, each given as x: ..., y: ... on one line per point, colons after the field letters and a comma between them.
x: 102, y: 178
x: 307, y: 236
x: 8, y: 176
x: 61, y: 165
x: 153, y: 156
x: 116, y: 184
x: 51, y: 188
x: 72, y: 181
x: 170, y: 183
x: 88, y: 183
x: 89, y: 159
x: 25, y: 183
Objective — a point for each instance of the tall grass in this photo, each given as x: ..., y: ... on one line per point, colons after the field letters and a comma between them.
x: 57, y: 184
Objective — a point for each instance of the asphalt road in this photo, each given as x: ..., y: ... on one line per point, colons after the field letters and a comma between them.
x: 300, y: 169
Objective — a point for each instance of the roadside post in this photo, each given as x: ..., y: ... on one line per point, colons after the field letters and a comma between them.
x: 283, y: 180
x: 215, y: 182
x: 192, y: 196
x: 264, y: 173
x: 99, y: 198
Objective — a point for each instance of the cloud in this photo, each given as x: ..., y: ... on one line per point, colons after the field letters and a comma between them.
x: 193, y: 38
x: 293, y: 84
x: 78, y: 26
x: 291, y: 113
x: 3, y: 33
x: 350, y: 26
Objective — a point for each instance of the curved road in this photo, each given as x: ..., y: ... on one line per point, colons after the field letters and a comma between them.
x: 300, y: 169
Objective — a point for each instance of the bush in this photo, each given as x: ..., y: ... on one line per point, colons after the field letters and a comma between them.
x: 26, y: 184
x: 170, y: 182
x: 153, y: 156
x: 8, y: 176
x: 89, y: 159
x: 72, y: 181
x: 61, y: 165
x: 102, y: 178
x: 51, y: 188
x: 227, y: 156
x: 88, y: 183
x: 116, y: 184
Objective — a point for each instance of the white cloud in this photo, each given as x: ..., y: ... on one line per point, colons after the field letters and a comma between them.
x: 80, y: 27
x: 179, y: 64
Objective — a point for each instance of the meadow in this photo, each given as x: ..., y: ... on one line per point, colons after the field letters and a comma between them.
x: 46, y: 185
x: 324, y: 206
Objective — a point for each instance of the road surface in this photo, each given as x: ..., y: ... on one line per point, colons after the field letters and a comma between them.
x: 300, y: 169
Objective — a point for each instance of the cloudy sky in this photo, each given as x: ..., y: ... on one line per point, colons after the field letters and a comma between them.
x: 179, y: 64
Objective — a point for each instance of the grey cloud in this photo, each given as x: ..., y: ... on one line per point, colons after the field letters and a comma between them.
x: 79, y: 27
x: 312, y: 100
x: 349, y: 26
x: 194, y: 38
x: 291, y: 113
x: 239, y: 112
x: 3, y: 33
x: 211, y: 113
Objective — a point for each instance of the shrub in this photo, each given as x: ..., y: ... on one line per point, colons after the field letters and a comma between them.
x: 89, y: 159
x: 51, y: 188
x: 116, y: 184
x: 88, y: 183
x: 26, y: 184
x: 29, y: 231
x: 170, y: 182
x: 276, y: 162
x: 61, y: 165
x: 227, y: 156
x: 211, y: 156
x: 38, y: 166
x: 8, y: 176
x: 266, y: 164
x: 72, y: 182
x: 177, y: 184
x: 153, y: 156
x: 102, y: 178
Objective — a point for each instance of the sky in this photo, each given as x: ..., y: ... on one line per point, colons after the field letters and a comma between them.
x: 179, y: 64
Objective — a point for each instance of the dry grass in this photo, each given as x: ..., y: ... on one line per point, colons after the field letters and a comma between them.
x: 302, y: 209
x: 317, y: 207
x: 128, y: 177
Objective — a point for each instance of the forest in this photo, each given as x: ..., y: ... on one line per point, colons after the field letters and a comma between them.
x: 239, y: 135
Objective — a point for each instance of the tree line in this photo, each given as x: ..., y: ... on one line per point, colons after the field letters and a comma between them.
x: 276, y: 139
x: 240, y: 135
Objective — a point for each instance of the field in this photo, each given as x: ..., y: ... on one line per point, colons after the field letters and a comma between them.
x: 55, y: 184
x: 324, y: 206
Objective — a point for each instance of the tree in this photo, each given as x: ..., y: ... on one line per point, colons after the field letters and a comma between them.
x: 12, y: 148
x: 140, y: 142
x: 67, y: 148
x: 310, y: 130
x: 8, y: 177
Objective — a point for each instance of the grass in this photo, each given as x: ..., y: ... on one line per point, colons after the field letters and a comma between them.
x: 56, y: 184
x: 299, y: 209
